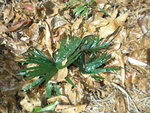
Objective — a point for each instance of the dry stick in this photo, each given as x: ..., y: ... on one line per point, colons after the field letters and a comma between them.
x: 125, y: 92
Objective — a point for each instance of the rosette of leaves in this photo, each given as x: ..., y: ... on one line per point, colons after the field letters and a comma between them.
x: 94, y: 64
x: 46, y: 68
x: 74, y: 51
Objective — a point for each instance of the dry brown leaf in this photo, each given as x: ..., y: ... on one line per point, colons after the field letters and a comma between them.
x: 19, y: 25
x: 107, y: 30
x: 29, y: 7
x: 113, y: 15
x: 70, y: 108
x: 80, y: 108
x: 32, y: 32
x: 8, y: 13
x: 143, y: 21
x: 121, y: 19
x: 39, y: 12
x: 62, y: 98
x: 62, y: 73
x: 59, y: 108
x: 144, y: 42
x: 128, y: 81
x: 58, y: 21
x: 18, y: 47
x: 101, y: 3
x: 49, y: 5
x: 17, y: 17
x: 58, y: 33
x: 99, y: 21
x: 120, y: 38
x: 3, y: 28
x: 90, y: 82
x: 75, y: 95
x: 143, y: 84
x: 90, y: 27
x: 76, y: 24
x: 135, y: 78
x: 121, y: 58
x: 120, y: 105
x: 113, y: 24
x: 80, y: 93
x: 70, y: 93
x: 29, y: 103
x: 47, y: 39
x: 3, y: 109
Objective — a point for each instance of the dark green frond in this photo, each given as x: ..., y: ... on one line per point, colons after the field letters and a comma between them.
x: 66, y: 50
x: 93, y: 43
x: 101, y: 70
x: 44, y: 67
x: 36, y: 82
x: 57, y: 89
x: 80, y: 8
x: 48, y: 90
x: 49, y: 108
x: 70, y: 82
x: 97, y: 77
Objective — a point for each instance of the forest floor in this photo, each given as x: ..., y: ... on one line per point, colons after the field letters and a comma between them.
x: 25, y: 24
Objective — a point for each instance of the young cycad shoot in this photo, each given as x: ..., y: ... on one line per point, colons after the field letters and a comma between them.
x: 83, y: 8
x: 73, y: 50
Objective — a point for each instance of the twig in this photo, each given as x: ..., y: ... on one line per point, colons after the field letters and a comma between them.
x: 128, y: 96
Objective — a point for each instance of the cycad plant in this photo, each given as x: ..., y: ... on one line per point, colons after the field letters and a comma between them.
x: 73, y: 50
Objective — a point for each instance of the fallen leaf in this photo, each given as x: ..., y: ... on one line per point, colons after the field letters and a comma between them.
x: 61, y: 98
x: 29, y: 7
x: 128, y: 81
x: 122, y: 60
x: 76, y: 24
x: 58, y: 21
x: 32, y: 32
x: 143, y: 22
x: 47, y: 39
x: 29, y: 103
x: 17, y: 17
x: 121, y: 19
x: 75, y: 94
x: 90, y: 27
x: 101, y: 3
x: 120, y: 39
x: 58, y: 33
x: 3, y: 28
x: 8, y: 13
x: 143, y: 84
x: 19, y: 25
x: 62, y: 73
x: 3, y: 109
x: 99, y: 21
x: 113, y: 15
x: 49, y: 5
x: 70, y: 108
x: 120, y: 104
x: 17, y: 47
x: 107, y: 30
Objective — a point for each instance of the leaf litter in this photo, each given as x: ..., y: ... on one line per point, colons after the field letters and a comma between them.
x: 39, y: 24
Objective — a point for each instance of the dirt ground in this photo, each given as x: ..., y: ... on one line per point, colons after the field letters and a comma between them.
x: 25, y: 24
